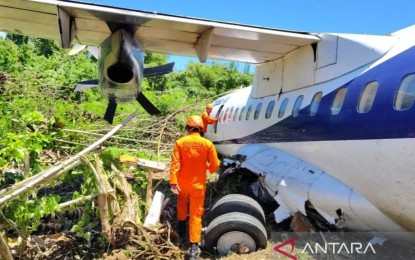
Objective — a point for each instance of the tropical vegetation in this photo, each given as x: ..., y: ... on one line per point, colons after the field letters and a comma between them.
x: 44, y: 122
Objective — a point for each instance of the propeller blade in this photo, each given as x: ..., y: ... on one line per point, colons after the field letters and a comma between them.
x: 110, y: 112
x: 147, y: 105
x: 81, y: 86
x: 94, y: 51
x: 158, y: 70
x: 77, y: 48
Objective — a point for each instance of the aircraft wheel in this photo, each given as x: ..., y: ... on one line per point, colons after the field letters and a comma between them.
x: 233, y: 232
x: 236, y: 203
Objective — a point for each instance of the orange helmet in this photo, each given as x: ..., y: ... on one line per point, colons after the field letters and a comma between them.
x: 195, y: 121
x: 209, y: 105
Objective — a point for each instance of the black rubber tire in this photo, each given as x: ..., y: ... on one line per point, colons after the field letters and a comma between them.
x: 236, y: 203
x: 234, y: 221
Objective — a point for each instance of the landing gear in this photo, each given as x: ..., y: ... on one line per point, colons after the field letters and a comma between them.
x: 235, y: 232
x: 236, y: 203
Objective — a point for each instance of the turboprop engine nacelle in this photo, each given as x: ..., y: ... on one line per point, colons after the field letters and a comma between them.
x: 121, y: 70
x: 121, y: 67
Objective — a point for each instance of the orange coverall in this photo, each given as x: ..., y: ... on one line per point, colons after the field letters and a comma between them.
x: 192, y: 156
x: 207, y: 119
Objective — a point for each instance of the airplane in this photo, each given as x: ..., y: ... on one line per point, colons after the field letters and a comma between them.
x: 326, y: 127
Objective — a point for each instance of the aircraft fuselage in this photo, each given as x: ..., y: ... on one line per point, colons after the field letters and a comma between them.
x: 353, y: 118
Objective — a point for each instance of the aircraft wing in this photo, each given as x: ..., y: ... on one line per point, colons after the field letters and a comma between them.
x: 88, y: 24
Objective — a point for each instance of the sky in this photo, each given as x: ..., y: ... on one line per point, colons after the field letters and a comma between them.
x: 340, y: 16
x: 348, y: 16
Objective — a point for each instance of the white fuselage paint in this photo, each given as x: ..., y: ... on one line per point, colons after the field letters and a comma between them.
x: 381, y: 170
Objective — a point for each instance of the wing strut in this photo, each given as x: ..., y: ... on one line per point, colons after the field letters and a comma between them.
x: 66, y: 27
x: 203, y: 45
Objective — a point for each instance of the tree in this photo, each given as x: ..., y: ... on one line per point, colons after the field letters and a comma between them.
x: 18, y: 39
x: 45, y: 47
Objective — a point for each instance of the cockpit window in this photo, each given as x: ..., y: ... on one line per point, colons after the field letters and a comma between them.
x: 270, y: 109
x: 315, y: 103
x: 297, y: 105
x: 368, y: 97
x: 405, y: 96
x: 338, y: 101
x: 257, y: 110
x: 283, y: 107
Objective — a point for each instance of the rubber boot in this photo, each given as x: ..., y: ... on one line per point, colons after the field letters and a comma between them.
x: 181, y: 229
x: 194, y: 252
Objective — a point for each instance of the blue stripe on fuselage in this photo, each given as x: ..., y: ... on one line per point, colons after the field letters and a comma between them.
x: 381, y: 122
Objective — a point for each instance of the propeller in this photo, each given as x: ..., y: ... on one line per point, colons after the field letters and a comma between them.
x: 147, y: 105
x: 77, y: 48
x: 110, y: 112
x: 158, y: 70
x: 81, y: 86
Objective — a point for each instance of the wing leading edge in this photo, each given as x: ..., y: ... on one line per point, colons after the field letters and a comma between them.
x: 84, y: 23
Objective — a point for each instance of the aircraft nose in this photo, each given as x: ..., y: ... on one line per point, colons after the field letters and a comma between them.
x: 120, y: 73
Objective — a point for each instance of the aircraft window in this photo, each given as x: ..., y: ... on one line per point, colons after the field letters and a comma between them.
x: 405, y: 96
x: 315, y: 103
x: 236, y: 113
x: 283, y: 107
x: 225, y: 116
x: 230, y: 115
x: 368, y: 97
x: 297, y: 105
x: 270, y: 108
x: 241, y: 114
x: 338, y: 101
x: 248, y: 112
x: 257, y: 111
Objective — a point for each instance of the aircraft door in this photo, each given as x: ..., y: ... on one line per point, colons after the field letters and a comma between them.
x: 215, y: 126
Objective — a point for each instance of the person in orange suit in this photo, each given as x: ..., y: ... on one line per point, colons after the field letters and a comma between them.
x: 192, y: 156
x: 207, y: 119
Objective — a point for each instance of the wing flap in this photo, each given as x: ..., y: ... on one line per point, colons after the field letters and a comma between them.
x: 156, y: 32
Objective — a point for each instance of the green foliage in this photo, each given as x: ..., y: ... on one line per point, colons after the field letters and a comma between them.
x: 219, y: 77
x: 110, y: 156
x: 18, y: 39
x: 8, y: 55
x: 154, y: 59
x: 45, y: 47
x: 37, y: 101
x: 27, y: 212
x: 140, y: 187
x: 85, y: 226
x: 17, y: 145
x: 156, y: 83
